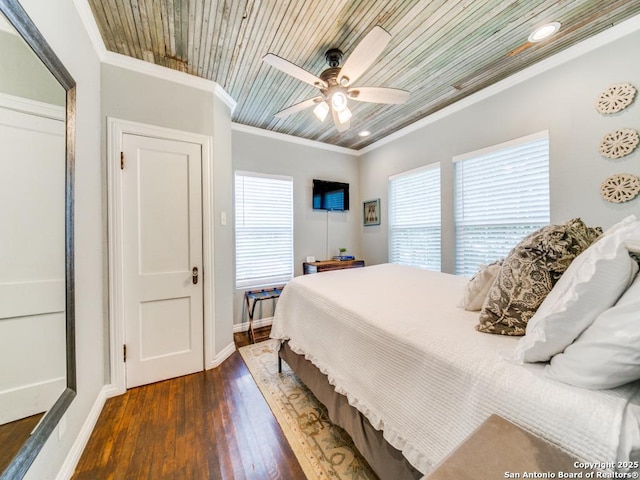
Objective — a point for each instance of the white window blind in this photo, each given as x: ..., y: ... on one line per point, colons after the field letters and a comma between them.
x: 414, y: 218
x: 264, y: 229
x: 501, y: 195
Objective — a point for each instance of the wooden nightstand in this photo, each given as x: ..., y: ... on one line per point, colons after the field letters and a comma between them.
x: 326, y: 265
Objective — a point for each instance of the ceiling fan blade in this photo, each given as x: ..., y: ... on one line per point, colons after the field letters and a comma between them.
x: 378, y: 94
x: 364, y: 55
x: 341, y: 127
x: 292, y: 69
x: 299, y: 107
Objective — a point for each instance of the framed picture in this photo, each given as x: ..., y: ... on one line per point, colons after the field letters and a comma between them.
x: 371, y: 212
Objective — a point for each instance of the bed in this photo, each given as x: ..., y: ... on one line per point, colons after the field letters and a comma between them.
x: 393, y: 345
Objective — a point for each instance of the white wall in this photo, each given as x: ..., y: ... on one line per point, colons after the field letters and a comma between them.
x: 256, y: 153
x: 560, y: 100
x: 223, y: 241
x: 61, y: 26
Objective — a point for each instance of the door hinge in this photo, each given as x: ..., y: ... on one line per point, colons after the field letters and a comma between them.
x: 124, y: 352
x: 121, y: 160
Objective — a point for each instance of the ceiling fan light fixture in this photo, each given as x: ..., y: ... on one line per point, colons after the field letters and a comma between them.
x: 339, y: 101
x: 334, y: 82
x: 344, y: 115
x: 321, y: 111
x: 543, y: 32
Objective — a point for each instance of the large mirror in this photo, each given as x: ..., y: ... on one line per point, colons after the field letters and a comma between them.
x: 37, y: 341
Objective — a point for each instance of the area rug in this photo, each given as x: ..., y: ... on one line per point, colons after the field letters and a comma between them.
x: 324, y: 450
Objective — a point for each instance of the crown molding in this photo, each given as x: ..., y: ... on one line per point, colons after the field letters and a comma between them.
x: 612, y: 34
x: 292, y: 139
x: 222, y: 94
x: 170, y: 75
x: 146, y: 68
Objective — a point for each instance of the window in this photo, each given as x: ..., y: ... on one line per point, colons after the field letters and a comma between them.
x: 501, y: 195
x: 414, y: 218
x: 264, y: 229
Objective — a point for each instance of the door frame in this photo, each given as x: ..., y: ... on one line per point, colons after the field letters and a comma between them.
x: 116, y: 129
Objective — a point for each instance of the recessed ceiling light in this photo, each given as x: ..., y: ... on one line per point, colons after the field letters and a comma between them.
x: 543, y: 32
x: 364, y: 133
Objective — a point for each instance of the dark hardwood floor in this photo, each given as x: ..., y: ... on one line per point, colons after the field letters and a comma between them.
x: 209, y: 425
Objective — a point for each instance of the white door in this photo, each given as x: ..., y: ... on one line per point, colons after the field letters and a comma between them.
x: 162, y: 248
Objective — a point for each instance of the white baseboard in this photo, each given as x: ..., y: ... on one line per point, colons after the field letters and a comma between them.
x: 73, y: 457
x: 222, y: 356
x: 259, y: 323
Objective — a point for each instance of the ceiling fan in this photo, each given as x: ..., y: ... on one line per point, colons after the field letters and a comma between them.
x: 336, y: 82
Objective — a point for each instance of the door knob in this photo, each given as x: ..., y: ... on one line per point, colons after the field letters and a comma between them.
x: 194, y: 275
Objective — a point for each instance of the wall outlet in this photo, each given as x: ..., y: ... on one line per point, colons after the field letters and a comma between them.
x: 223, y: 218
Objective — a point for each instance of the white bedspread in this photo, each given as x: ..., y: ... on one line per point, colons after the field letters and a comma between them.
x: 392, y: 340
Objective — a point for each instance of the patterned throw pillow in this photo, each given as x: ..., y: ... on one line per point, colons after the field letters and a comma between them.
x: 529, y: 273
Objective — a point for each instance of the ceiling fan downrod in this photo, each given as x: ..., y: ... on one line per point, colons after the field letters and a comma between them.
x: 333, y: 57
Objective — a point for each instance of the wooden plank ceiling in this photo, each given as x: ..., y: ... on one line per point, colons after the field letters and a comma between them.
x: 441, y: 50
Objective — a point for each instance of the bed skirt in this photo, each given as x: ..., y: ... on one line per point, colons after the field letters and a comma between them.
x: 385, y: 460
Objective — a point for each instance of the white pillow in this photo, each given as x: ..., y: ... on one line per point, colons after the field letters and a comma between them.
x: 621, y: 225
x: 593, y: 283
x: 478, y: 287
x: 607, y: 354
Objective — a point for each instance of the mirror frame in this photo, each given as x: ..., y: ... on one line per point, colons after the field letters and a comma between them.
x: 20, y: 20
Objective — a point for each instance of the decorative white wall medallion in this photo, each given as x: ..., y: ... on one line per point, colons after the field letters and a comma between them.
x: 619, y: 143
x: 620, y: 188
x: 615, y: 98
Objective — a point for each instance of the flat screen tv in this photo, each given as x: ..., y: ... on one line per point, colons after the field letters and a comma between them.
x: 330, y: 195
